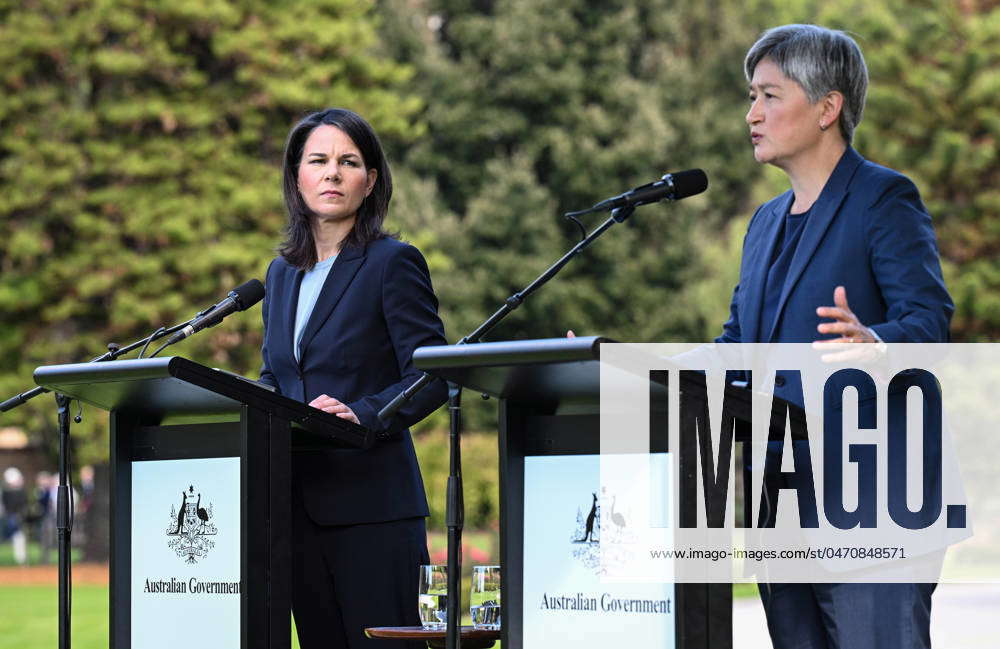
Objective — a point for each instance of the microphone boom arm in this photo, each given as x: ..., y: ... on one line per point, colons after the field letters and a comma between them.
x: 618, y: 215
x: 114, y: 351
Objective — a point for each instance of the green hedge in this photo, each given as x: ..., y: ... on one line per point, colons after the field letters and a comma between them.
x: 480, y: 477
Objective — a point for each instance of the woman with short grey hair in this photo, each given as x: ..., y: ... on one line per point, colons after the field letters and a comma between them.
x: 846, y: 227
x: 821, y: 61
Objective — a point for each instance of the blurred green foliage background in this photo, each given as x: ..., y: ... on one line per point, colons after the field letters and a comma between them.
x: 140, y: 145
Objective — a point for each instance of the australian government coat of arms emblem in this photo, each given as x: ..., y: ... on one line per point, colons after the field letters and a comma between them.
x: 191, y: 528
x: 588, y: 531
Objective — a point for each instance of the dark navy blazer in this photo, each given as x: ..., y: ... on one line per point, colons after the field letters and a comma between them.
x: 375, y: 308
x: 869, y: 232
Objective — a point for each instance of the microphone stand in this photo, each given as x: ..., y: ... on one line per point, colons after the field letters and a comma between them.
x: 455, y: 506
x: 64, y: 509
x: 618, y: 215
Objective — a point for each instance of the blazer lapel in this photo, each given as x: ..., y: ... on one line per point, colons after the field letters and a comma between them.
x: 759, y: 265
x: 824, y: 211
x: 286, y: 308
x: 344, y: 268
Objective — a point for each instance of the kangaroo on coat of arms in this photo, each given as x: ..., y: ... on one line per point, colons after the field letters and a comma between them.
x: 189, y: 528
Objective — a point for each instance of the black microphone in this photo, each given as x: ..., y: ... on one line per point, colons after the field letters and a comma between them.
x: 671, y: 187
x: 240, y: 298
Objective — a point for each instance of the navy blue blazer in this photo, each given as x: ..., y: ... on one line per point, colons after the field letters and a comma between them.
x: 869, y: 232
x: 375, y: 308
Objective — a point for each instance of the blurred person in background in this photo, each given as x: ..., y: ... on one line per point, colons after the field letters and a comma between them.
x: 15, y: 504
x: 44, y: 514
x: 81, y: 526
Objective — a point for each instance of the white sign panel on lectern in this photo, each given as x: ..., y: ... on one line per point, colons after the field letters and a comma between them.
x: 185, y: 586
x: 568, y: 601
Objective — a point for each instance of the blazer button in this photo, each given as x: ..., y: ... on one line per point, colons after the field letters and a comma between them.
x: 779, y: 381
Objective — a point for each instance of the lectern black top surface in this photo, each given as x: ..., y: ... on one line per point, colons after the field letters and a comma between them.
x: 548, y: 371
x: 554, y: 373
x: 176, y: 390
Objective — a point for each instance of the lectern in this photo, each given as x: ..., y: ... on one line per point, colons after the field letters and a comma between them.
x: 200, y: 516
x: 550, y: 502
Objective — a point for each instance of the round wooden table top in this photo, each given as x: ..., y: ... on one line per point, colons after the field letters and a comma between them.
x: 472, y: 638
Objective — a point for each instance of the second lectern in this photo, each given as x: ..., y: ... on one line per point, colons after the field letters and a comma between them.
x: 552, y: 506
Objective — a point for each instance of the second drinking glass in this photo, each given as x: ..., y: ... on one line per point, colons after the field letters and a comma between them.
x: 484, y: 599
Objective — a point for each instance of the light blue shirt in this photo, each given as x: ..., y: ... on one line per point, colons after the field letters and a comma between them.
x: 312, y: 284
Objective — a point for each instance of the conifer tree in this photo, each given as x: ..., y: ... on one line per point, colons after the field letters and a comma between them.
x: 140, y: 154
x: 537, y: 107
x: 933, y: 113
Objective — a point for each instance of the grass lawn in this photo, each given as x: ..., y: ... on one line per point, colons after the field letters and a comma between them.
x: 28, y: 616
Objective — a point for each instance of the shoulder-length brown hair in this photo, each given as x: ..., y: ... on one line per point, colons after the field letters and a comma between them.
x: 299, y: 247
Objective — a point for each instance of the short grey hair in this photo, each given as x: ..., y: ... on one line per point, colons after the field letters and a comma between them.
x: 820, y: 60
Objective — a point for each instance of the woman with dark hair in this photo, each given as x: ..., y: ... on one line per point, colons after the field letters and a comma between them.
x: 346, y: 306
x: 846, y: 229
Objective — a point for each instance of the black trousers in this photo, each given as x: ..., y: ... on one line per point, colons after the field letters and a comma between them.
x: 346, y: 578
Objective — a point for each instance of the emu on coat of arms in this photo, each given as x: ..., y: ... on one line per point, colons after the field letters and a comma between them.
x: 190, y: 527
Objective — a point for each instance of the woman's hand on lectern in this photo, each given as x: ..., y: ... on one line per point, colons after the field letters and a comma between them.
x: 334, y: 407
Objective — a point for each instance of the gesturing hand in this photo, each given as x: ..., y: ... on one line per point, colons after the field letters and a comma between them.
x: 851, y: 331
x: 847, y: 324
x: 334, y: 406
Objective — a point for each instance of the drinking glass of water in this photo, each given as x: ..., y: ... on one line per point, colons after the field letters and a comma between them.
x: 484, y: 600
x: 433, y: 597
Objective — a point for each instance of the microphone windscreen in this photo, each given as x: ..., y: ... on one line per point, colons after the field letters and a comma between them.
x: 688, y: 183
x: 249, y: 294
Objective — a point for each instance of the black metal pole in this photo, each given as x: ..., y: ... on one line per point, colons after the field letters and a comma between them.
x: 64, y: 522
x: 455, y: 511
x: 455, y: 519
